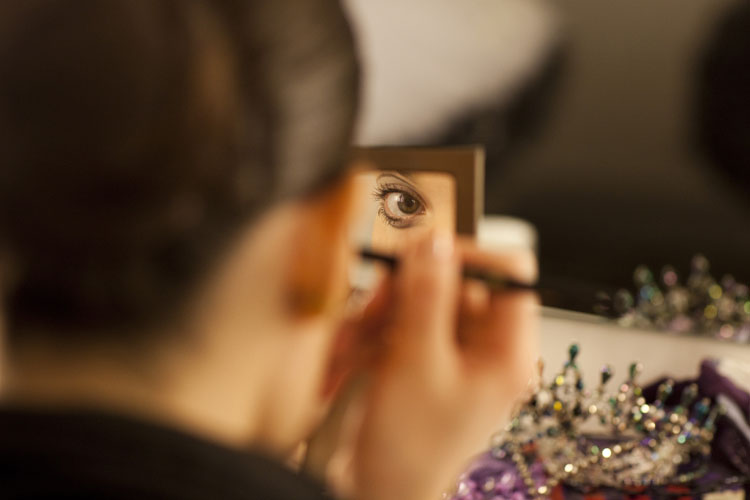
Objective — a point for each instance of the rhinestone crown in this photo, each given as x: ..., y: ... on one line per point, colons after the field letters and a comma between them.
x: 700, y: 304
x: 600, y: 438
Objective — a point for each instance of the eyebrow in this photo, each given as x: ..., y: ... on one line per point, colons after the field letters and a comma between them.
x: 405, y: 177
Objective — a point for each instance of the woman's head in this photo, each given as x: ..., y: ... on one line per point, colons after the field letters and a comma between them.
x: 139, y: 137
x: 172, y: 189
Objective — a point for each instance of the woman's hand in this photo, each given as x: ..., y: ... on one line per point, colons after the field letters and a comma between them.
x: 451, y: 361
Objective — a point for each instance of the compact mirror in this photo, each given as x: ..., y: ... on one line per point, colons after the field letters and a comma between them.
x: 406, y: 191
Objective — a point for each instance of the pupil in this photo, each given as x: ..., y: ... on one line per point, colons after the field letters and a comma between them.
x: 407, y: 204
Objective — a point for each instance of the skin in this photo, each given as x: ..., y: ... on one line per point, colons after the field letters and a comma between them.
x: 257, y: 367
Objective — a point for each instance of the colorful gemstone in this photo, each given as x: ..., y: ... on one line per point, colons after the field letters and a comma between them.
x: 573, y: 351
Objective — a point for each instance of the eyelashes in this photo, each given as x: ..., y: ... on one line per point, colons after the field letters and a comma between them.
x: 400, y: 207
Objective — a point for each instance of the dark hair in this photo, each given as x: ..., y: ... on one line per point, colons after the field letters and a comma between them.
x: 722, y: 98
x: 138, y: 136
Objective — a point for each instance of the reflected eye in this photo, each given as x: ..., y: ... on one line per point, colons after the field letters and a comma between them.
x: 401, y: 204
x: 399, y: 207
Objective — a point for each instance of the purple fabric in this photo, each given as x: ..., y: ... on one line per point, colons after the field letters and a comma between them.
x: 711, y: 383
x: 491, y: 478
x: 730, y: 446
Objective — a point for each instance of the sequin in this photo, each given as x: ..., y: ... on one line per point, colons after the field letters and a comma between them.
x: 726, y: 332
x: 710, y: 311
x: 573, y: 351
x: 643, y: 276
x: 669, y: 276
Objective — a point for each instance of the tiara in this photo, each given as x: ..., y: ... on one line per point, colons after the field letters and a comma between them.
x: 592, y: 439
x: 701, y: 305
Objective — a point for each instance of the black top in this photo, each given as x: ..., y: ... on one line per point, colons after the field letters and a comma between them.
x: 87, y: 455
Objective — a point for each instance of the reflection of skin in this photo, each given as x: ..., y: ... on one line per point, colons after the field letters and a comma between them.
x: 410, y: 203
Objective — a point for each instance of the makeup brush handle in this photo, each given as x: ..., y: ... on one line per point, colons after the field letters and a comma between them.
x: 495, y: 283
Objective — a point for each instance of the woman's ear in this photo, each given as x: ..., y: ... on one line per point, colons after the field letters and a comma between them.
x: 318, y: 271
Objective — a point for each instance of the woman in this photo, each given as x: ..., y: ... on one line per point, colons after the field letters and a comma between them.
x: 174, y: 208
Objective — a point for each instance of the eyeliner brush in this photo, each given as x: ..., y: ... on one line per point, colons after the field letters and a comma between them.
x: 494, y: 282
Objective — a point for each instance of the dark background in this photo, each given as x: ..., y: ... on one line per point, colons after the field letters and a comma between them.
x: 600, y: 151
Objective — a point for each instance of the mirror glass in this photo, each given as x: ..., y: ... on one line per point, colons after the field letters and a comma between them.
x: 403, y: 203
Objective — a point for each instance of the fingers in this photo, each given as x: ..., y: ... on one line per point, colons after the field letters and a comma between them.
x: 417, y: 402
x: 427, y: 292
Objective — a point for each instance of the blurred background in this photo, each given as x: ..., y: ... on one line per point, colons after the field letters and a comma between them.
x: 588, y: 111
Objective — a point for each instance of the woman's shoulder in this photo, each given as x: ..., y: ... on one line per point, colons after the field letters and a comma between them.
x: 90, y: 454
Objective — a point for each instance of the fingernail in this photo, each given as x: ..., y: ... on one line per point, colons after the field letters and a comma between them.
x: 443, y: 246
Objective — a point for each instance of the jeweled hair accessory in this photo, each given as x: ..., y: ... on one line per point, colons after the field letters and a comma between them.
x: 589, y: 439
x: 700, y: 305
